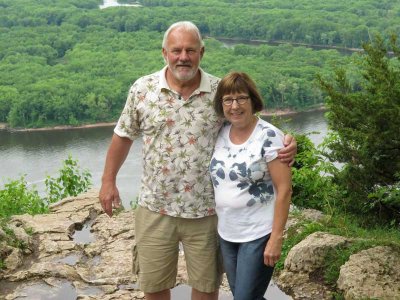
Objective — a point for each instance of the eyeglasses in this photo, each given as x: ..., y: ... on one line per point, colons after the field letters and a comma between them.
x: 228, y: 101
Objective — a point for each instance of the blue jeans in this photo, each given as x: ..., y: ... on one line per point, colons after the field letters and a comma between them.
x: 247, y: 274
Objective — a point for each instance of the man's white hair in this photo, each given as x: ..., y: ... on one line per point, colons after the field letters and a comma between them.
x: 186, y: 25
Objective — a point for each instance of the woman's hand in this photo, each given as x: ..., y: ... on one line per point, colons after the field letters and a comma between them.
x: 272, y: 251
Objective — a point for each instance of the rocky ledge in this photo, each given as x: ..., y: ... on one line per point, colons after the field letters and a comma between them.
x: 78, y: 250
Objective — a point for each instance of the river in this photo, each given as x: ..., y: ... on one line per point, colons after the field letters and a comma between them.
x: 113, y: 3
x: 37, y: 154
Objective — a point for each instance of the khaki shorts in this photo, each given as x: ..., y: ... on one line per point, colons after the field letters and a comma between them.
x: 155, y: 255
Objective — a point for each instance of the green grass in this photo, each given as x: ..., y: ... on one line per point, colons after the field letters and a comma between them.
x: 2, y: 264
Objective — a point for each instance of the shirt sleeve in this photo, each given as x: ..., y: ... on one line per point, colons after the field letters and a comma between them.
x: 273, y: 142
x: 128, y: 124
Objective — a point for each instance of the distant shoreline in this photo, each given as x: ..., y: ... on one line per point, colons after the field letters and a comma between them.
x: 288, y: 112
x: 4, y: 126
x: 267, y: 113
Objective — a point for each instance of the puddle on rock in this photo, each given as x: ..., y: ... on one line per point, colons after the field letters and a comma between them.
x: 96, y: 260
x: 70, y: 260
x: 90, y: 291
x: 43, y: 291
x: 183, y: 291
x: 274, y: 292
x: 129, y: 286
x: 83, y: 235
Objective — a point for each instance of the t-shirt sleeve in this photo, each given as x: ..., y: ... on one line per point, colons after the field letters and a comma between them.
x: 273, y: 141
x: 128, y: 124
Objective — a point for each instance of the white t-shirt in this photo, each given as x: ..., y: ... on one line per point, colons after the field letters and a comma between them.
x: 244, y: 193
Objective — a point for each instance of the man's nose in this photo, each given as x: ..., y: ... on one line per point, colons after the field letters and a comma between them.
x: 184, y: 55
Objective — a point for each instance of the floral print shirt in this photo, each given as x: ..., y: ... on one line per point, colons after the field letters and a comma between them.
x: 178, y: 140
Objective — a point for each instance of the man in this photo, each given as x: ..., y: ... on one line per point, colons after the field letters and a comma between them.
x: 173, y: 111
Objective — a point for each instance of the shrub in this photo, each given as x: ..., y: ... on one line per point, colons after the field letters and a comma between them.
x: 70, y: 182
x: 312, y: 182
x: 16, y: 198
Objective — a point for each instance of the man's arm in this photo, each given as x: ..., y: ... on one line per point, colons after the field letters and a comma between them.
x: 116, y: 155
x: 287, y: 154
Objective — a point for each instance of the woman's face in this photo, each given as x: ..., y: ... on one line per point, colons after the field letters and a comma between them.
x: 238, y: 109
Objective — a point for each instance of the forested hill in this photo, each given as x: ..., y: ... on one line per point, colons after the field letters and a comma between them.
x: 68, y: 62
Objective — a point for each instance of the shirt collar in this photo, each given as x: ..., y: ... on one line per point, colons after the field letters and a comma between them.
x: 205, y: 85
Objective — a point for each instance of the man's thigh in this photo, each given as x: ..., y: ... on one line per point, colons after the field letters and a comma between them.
x: 203, y: 261
x: 157, y: 250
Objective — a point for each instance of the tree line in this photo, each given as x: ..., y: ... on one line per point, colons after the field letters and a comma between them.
x: 68, y: 62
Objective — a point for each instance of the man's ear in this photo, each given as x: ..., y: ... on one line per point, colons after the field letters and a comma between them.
x: 164, y: 54
x: 202, y: 50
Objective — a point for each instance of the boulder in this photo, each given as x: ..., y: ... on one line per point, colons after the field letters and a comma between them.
x: 300, y: 276
x: 309, y: 255
x: 14, y: 259
x: 371, y: 274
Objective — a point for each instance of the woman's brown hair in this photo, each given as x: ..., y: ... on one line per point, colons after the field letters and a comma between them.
x: 237, y: 82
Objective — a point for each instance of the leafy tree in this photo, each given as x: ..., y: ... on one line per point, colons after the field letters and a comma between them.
x: 365, y: 122
x: 6, y: 96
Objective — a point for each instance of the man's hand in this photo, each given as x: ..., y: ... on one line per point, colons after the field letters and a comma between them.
x: 116, y: 155
x: 287, y: 154
x: 109, y: 197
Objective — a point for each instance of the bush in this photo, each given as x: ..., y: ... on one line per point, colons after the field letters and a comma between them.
x: 70, y: 182
x: 387, y: 196
x: 16, y: 198
x: 312, y: 182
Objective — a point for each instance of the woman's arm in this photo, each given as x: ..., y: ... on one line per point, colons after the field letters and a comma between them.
x: 281, y: 176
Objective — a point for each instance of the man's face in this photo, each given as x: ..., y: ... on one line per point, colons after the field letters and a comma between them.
x: 183, y: 54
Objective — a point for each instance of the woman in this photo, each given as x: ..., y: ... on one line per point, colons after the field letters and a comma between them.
x: 252, y: 188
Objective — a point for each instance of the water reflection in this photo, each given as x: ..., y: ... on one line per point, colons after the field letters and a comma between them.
x: 312, y: 123
x: 183, y: 291
x: 70, y: 260
x: 113, y: 3
x: 63, y: 291
x: 84, y: 235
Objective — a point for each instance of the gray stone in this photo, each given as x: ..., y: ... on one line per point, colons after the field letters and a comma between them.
x: 371, y: 274
x: 20, y: 233
x: 309, y: 254
x: 303, y: 259
x: 3, y: 235
x: 14, y: 259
